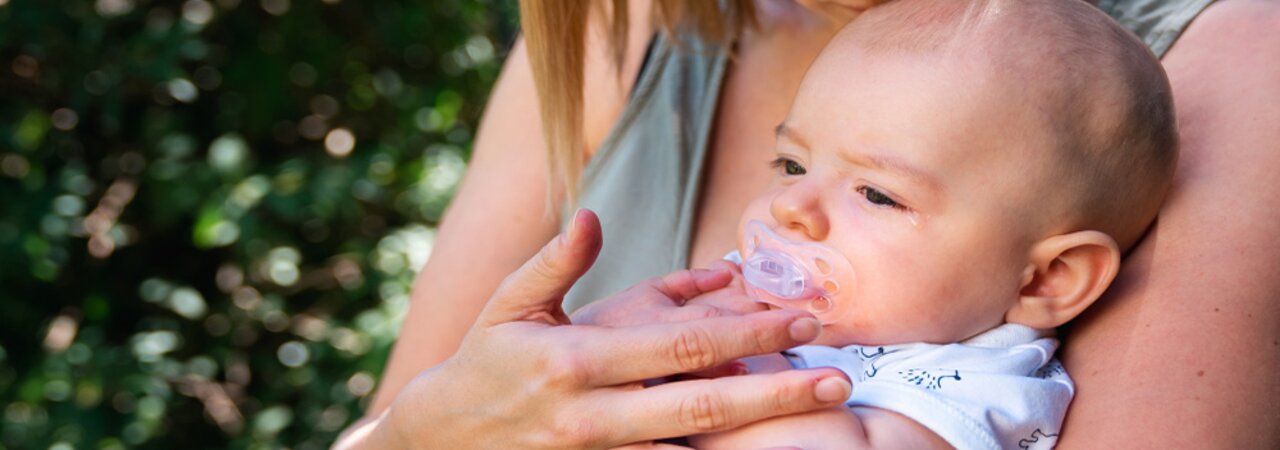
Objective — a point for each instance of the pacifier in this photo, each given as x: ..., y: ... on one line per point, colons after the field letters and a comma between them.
x: 796, y: 275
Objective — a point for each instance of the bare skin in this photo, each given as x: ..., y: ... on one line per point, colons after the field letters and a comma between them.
x: 1191, y: 328
x: 1155, y: 344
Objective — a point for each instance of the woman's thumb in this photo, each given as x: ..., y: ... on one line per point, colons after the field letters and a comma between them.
x: 537, y: 288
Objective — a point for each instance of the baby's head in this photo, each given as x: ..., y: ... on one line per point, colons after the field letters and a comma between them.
x: 974, y: 163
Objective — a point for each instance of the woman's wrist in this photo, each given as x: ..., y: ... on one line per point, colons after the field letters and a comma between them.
x: 387, y: 428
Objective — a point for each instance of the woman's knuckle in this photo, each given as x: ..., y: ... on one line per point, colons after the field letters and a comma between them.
x: 704, y: 412
x: 765, y: 341
x: 576, y: 430
x: 696, y: 312
x: 545, y: 266
x: 692, y: 350
x: 707, y: 312
x: 565, y: 368
x: 785, y: 398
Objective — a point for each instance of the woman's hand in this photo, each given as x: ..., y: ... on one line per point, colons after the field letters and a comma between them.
x: 525, y: 378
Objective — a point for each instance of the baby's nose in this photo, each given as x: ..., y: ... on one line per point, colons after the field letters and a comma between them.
x: 799, y: 208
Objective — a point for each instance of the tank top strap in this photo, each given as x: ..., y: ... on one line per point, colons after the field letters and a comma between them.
x: 643, y: 180
x: 1157, y: 22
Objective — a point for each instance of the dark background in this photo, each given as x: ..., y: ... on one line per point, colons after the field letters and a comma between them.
x: 211, y: 211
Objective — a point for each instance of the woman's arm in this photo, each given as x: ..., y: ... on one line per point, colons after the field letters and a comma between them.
x: 498, y: 218
x: 1185, y: 346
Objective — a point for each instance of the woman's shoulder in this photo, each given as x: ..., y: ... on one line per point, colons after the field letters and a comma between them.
x: 1200, y: 281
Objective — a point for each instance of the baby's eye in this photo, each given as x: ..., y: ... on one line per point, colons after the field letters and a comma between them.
x: 876, y: 197
x: 788, y: 166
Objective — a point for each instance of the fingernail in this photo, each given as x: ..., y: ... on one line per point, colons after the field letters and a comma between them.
x: 804, y: 330
x: 834, y: 389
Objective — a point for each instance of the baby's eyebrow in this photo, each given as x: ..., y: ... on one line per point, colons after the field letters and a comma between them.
x: 886, y: 162
x: 788, y: 133
x: 893, y: 164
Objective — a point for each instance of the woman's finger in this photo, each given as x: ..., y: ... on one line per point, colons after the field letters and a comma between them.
x: 537, y: 288
x: 624, y: 355
x: 702, y: 406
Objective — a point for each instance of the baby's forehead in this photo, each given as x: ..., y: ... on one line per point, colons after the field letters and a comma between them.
x: 1062, y: 63
x: 1041, y: 40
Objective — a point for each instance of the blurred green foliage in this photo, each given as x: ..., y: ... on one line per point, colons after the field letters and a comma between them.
x: 211, y: 210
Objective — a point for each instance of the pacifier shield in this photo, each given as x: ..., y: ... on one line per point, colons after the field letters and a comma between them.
x: 796, y: 275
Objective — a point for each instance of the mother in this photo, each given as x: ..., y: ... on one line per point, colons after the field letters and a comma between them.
x: 675, y: 137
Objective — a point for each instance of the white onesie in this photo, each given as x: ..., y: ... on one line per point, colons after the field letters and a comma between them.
x: 1001, y: 389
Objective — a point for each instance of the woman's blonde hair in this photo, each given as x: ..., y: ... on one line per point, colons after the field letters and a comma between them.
x: 555, y: 37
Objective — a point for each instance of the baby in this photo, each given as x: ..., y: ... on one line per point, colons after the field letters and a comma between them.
x: 955, y: 180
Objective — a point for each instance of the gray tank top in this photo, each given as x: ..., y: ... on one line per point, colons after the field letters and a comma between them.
x: 644, y: 179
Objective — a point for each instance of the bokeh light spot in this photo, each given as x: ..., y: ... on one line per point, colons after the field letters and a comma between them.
x: 207, y: 78
x: 182, y: 90
x: 79, y: 353
x: 68, y: 205
x: 303, y: 74
x: 188, y: 303
x: 111, y: 8
x: 339, y: 142
x: 149, y: 347
x: 228, y: 152
x: 198, y: 12
x: 15, y: 166
x: 151, y: 407
x: 270, y: 421
x: 64, y: 119
x: 325, y: 106
x: 360, y: 384
x: 293, y: 354
x: 154, y: 289
x: 312, y: 127
x: 57, y: 390
x: 275, y: 7
x: 202, y: 366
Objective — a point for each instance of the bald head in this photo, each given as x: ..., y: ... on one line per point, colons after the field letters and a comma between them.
x: 1099, y: 92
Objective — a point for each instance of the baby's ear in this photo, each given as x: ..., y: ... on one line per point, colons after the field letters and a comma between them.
x: 1067, y: 273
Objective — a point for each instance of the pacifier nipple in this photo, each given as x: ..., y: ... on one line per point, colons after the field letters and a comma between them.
x: 774, y: 272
